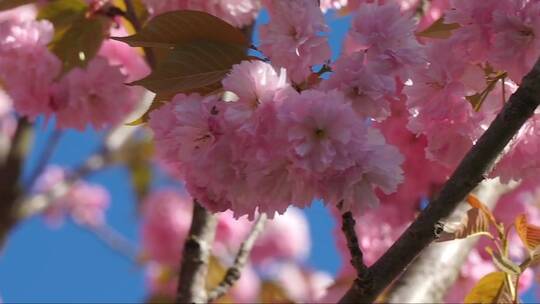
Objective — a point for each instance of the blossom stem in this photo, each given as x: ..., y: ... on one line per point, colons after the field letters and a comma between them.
x: 357, y: 257
x: 197, y: 249
x: 233, y: 273
x: 470, y: 172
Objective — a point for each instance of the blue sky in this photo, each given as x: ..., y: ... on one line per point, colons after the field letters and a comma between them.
x: 69, y: 264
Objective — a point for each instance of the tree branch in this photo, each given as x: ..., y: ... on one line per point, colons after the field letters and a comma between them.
x: 10, y: 171
x: 419, y: 282
x: 233, y: 273
x: 36, y: 203
x: 357, y: 257
x: 197, y: 249
x: 466, y: 177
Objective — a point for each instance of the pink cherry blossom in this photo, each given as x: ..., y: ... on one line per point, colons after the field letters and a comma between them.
x: 237, y: 12
x: 520, y: 161
x: 253, y: 83
x: 230, y: 233
x: 161, y: 280
x: 385, y: 34
x: 437, y: 102
x: 422, y: 177
x: 366, y: 84
x: 20, y: 14
x: 285, y: 237
x: 8, y: 121
x: 95, y: 95
x: 157, y: 7
x: 85, y: 203
x: 473, y: 38
x: 24, y: 43
x: 166, y: 218
x: 130, y: 61
x: 380, y: 169
x: 333, y: 4
x: 246, y: 289
x: 516, y: 45
x: 293, y: 37
x: 322, y: 131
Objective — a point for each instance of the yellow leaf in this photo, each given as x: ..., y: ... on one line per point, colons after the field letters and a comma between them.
x: 271, y: 292
x: 476, y: 203
x: 475, y: 222
x: 529, y: 234
x: 216, y: 273
x: 438, y: 29
x: 492, y: 288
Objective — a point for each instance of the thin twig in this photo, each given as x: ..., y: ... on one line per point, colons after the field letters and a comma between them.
x: 233, y: 273
x: 470, y: 172
x: 357, y: 257
x: 194, y: 266
x: 114, y: 240
x: 36, y: 203
x: 44, y: 158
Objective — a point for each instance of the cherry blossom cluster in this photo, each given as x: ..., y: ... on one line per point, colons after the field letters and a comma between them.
x: 84, y: 202
x: 495, y: 45
x: 95, y: 95
x: 273, y: 145
x: 282, y: 246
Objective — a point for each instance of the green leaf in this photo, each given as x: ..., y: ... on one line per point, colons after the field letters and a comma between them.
x: 63, y: 13
x: 173, y: 28
x: 438, y: 30
x: 80, y: 42
x: 492, y: 288
x: 9, y: 4
x: 475, y: 222
x: 194, y: 67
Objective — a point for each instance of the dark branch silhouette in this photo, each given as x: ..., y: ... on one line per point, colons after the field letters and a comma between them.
x: 470, y: 172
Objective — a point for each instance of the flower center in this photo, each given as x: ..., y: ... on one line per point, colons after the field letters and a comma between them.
x: 319, y: 133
